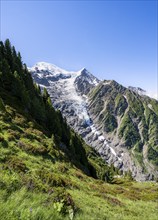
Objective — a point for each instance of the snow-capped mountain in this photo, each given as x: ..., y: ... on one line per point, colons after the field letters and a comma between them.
x: 96, y: 110
x: 68, y: 94
x: 51, y: 69
x: 63, y: 87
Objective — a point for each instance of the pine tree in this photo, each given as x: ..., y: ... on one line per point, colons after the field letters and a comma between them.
x: 6, y: 76
x: 45, y: 95
x: 2, y: 51
x: 8, y: 53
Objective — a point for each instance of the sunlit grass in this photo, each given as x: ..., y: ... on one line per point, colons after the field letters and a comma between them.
x: 32, y: 181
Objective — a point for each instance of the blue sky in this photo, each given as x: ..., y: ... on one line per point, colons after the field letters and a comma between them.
x: 112, y: 39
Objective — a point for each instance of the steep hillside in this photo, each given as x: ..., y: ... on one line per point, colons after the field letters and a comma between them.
x: 38, y: 180
x: 18, y: 91
x: 130, y: 123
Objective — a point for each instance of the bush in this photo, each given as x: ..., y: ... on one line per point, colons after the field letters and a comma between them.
x: 16, y: 164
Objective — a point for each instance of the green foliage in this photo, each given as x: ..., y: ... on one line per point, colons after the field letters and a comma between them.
x: 129, y: 131
x: 128, y: 175
x: 153, y: 154
x: 152, y: 123
x: 45, y: 95
x: 139, y: 147
x: 76, y: 145
x: 120, y: 104
x: 135, y: 103
x: 103, y: 171
x: 110, y: 122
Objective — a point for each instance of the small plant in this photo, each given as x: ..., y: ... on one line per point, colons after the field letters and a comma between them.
x: 59, y: 206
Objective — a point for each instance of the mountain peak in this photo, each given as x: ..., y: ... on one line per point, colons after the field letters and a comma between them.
x: 83, y: 69
x: 88, y: 76
x: 47, y: 67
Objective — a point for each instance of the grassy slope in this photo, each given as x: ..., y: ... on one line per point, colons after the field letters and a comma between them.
x: 35, y: 175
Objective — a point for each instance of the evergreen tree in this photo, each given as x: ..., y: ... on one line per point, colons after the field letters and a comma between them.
x: 45, y: 95
x: 8, y: 53
x: 6, y: 76
x: 2, y: 51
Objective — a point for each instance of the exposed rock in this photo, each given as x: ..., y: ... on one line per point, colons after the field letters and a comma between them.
x: 96, y: 110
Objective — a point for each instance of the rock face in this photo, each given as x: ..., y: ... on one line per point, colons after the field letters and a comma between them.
x: 85, y: 82
x: 119, y: 123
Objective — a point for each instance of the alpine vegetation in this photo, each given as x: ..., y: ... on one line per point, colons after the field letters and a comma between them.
x: 47, y: 171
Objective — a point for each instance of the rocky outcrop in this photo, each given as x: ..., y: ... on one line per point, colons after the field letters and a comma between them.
x: 85, y: 82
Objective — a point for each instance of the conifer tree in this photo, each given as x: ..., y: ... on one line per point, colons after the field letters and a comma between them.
x: 45, y: 94
x: 8, y: 53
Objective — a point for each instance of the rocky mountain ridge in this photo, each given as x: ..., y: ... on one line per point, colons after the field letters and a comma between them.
x: 96, y: 110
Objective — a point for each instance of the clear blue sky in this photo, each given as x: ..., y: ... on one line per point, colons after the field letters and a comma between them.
x: 112, y: 39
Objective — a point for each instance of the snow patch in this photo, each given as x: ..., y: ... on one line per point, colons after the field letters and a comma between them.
x: 125, y: 97
x: 150, y: 106
x: 95, y: 82
x: 112, y: 151
x: 43, y: 66
x: 101, y: 138
x: 106, y: 83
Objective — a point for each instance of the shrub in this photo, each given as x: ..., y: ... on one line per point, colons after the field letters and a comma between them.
x: 16, y: 164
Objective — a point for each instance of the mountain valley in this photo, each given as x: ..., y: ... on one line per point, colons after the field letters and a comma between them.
x: 47, y: 171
